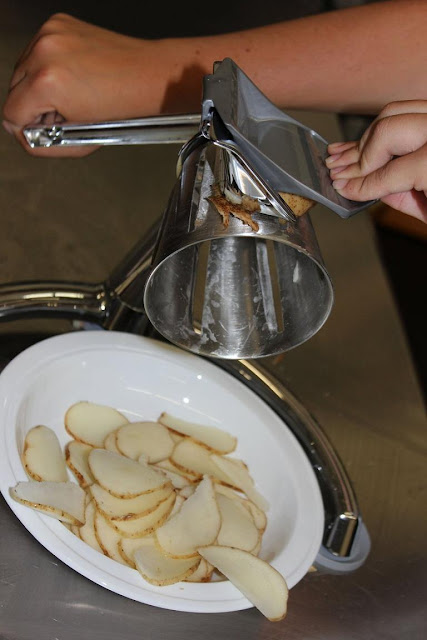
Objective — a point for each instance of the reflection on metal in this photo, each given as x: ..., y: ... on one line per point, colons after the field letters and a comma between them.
x: 341, y: 546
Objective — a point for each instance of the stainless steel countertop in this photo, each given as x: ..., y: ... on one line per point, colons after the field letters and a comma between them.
x: 74, y: 220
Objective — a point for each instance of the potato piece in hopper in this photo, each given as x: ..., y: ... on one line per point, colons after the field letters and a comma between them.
x: 196, y: 524
x: 257, y: 580
x: 212, y: 437
x: 149, y: 438
x: 64, y: 501
x: 160, y: 570
x: 42, y: 457
x: 122, y: 477
x: 91, y: 423
x: 76, y: 457
x: 298, y: 204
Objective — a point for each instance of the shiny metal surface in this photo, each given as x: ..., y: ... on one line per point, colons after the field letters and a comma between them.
x: 230, y: 291
x: 155, y: 130
x: 62, y: 299
x: 342, y: 516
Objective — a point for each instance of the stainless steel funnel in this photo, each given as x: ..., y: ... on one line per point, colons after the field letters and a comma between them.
x: 233, y: 292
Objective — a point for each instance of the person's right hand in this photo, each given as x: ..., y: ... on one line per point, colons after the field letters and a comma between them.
x: 389, y: 162
x: 77, y: 72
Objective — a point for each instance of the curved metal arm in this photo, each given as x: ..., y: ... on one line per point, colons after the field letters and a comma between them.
x: 342, y: 517
x: 74, y: 300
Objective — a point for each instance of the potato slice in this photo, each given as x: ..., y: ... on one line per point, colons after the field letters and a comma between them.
x: 187, y: 491
x: 122, y: 477
x: 257, y: 580
x: 237, y: 526
x: 108, y: 539
x: 87, y: 531
x: 128, y: 509
x: 203, y: 572
x: 110, y: 442
x: 239, y: 477
x: 149, y: 438
x: 179, y: 481
x: 168, y: 465
x: 257, y: 548
x: 176, y: 437
x: 196, y: 524
x: 259, y: 517
x: 195, y: 458
x: 128, y: 546
x: 160, y: 570
x: 91, y: 423
x: 145, y: 524
x: 179, y: 501
x: 64, y: 501
x: 216, y: 439
x: 42, y: 457
x: 76, y: 457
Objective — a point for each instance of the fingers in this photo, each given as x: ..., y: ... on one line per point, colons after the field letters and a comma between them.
x: 397, y: 176
x: 396, y: 135
x: 342, y: 155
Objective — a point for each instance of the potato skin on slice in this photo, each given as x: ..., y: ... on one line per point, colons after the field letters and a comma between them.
x: 64, y: 501
x: 211, y: 437
x: 262, y: 585
x: 196, y: 523
x: 160, y: 570
x: 149, y: 438
x: 123, y: 477
x: 90, y: 423
x: 76, y: 458
x: 131, y: 508
x: 42, y: 457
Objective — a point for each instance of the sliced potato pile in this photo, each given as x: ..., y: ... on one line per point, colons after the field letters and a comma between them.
x: 161, y: 497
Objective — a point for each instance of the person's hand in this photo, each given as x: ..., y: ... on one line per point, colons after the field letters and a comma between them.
x: 78, y: 72
x: 389, y: 162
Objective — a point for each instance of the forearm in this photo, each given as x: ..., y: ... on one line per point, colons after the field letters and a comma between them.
x: 352, y: 60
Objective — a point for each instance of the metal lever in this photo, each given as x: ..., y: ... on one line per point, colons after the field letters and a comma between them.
x: 155, y: 130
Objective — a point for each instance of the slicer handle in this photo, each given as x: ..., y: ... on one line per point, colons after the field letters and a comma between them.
x: 175, y: 129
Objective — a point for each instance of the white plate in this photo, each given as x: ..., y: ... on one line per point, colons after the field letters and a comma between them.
x: 142, y: 378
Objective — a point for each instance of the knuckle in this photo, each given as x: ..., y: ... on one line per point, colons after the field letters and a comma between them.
x: 48, y: 45
x: 56, y: 20
x: 391, y: 108
x: 46, y: 79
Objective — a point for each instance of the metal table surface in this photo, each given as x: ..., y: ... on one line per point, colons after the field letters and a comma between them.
x: 74, y: 220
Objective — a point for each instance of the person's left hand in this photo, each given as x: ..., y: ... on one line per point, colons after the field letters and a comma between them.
x: 389, y: 162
